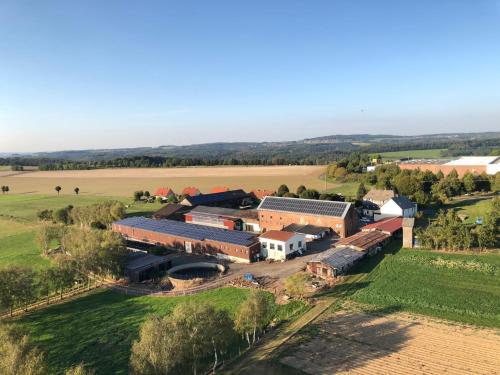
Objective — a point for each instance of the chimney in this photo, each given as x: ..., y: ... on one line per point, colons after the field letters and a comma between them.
x: 408, y: 224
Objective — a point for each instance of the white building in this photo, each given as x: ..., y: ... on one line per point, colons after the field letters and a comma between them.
x: 278, y: 245
x: 399, y: 206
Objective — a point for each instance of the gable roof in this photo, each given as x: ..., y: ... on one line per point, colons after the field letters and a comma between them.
x: 339, y: 257
x: 225, y: 212
x: 189, y: 231
x: 169, y: 210
x: 190, y: 191
x: 379, y: 195
x: 308, y: 229
x: 277, y: 235
x: 403, y: 202
x: 163, y: 192
x: 219, y: 189
x: 305, y: 206
x: 261, y: 193
x: 363, y: 240
x: 387, y: 225
x: 207, y: 199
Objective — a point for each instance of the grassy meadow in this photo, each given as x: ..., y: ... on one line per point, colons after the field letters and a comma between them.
x: 416, y: 154
x: 18, y: 223
x: 99, y: 328
x: 457, y: 287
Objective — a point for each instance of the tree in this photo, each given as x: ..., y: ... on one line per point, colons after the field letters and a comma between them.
x: 18, y: 356
x: 77, y: 190
x: 63, y: 274
x: 290, y: 195
x: 5, y: 189
x: 361, y: 192
x: 296, y: 285
x: 147, y: 194
x: 301, y: 189
x: 310, y: 194
x: 45, y: 215
x: 254, y: 315
x: 17, y: 287
x: 282, y: 190
x: 138, y: 195
x: 58, y: 189
x: 469, y: 182
x: 487, y: 232
x: 340, y: 172
x: 79, y: 370
x: 62, y: 216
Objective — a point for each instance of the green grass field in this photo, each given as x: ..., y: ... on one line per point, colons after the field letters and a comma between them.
x: 424, y: 154
x: 99, y: 328
x: 462, y: 288
x: 471, y: 207
x: 18, y: 223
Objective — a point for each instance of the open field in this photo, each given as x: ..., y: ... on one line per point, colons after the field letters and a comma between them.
x: 98, y: 329
x: 462, y: 288
x: 123, y: 182
x: 473, y: 207
x: 18, y: 223
x: 424, y: 154
x: 352, y: 342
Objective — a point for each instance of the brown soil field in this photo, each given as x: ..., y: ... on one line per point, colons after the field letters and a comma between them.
x: 359, y: 343
x: 122, y: 182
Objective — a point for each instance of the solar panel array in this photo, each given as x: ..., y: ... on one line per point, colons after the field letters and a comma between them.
x: 191, y: 231
x: 304, y: 206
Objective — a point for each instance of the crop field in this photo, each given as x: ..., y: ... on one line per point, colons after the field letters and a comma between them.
x: 123, y: 182
x: 99, y: 328
x: 416, y: 154
x: 462, y: 288
x: 18, y: 223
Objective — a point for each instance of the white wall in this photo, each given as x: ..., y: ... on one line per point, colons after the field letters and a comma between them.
x: 298, y: 241
x: 391, y: 208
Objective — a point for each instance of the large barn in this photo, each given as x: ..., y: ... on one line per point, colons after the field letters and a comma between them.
x: 191, y: 238
x: 275, y: 213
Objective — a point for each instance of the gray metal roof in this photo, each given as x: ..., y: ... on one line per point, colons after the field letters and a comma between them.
x: 306, y: 229
x: 305, y: 206
x: 190, y: 231
x: 339, y: 258
x: 403, y: 202
x: 229, y: 212
x: 144, y: 260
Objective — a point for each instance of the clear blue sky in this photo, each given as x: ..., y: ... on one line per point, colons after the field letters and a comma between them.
x: 96, y: 74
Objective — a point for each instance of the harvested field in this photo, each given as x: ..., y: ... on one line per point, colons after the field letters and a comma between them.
x: 350, y: 342
x: 122, y: 182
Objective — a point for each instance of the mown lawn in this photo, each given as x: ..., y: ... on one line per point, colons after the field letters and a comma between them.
x: 424, y: 154
x: 462, y: 288
x: 472, y: 207
x: 98, y: 329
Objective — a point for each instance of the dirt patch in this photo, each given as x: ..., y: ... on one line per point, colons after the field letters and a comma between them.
x: 358, y: 343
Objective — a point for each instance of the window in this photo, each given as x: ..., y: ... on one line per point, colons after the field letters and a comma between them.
x: 280, y: 247
x: 271, y: 246
x: 291, y: 246
x: 264, y: 245
x: 300, y: 244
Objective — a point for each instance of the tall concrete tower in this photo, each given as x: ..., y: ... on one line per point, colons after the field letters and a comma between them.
x: 408, y: 224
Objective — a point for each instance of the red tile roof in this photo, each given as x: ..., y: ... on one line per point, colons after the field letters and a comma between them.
x: 191, y: 191
x: 163, y: 192
x: 260, y: 193
x: 219, y: 189
x: 387, y: 225
x: 363, y: 240
x: 277, y: 235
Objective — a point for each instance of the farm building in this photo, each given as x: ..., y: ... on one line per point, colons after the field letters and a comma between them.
x: 141, y: 266
x: 390, y: 225
x: 190, y: 191
x: 334, y: 262
x: 279, y: 245
x: 311, y: 232
x: 369, y: 241
x: 399, y: 206
x: 228, y: 218
x: 378, y: 196
x: 473, y: 164
x: 230, y: 199
x: 171, y: 211
x: 191, y: 238
x: 164, y: 193
x: 275, y: 213
x: 260, y: 193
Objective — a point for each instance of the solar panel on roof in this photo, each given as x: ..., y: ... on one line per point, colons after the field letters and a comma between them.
x: 191, y: 231
x: 309, y: 206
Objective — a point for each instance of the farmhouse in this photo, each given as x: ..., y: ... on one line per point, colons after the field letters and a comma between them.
x: 399, y: 206
x: 279, y: 245
x: 379, y: 196
x: 228, y: 218
x: 191, y: 238
x: 275, y: 213
x: 230, y: 199
x: 334, y: 262
x: 164, y: 193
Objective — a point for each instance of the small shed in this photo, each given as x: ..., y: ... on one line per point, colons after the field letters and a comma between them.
x: 142, y: 266
x: 334, y: 262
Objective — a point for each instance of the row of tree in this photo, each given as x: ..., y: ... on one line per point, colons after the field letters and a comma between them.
x: 5, y: 189
x: 448, y: 232
x: 185, y: 340
x: 305, y: 193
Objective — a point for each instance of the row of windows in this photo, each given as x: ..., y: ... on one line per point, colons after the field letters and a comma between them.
x: 280, y: 247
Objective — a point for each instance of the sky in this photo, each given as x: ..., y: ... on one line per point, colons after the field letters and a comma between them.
x: 117, y: 73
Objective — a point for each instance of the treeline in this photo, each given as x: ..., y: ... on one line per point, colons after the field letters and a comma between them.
x: 448, y: 232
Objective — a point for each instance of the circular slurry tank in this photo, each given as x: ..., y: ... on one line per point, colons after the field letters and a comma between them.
x: 193, y: 274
